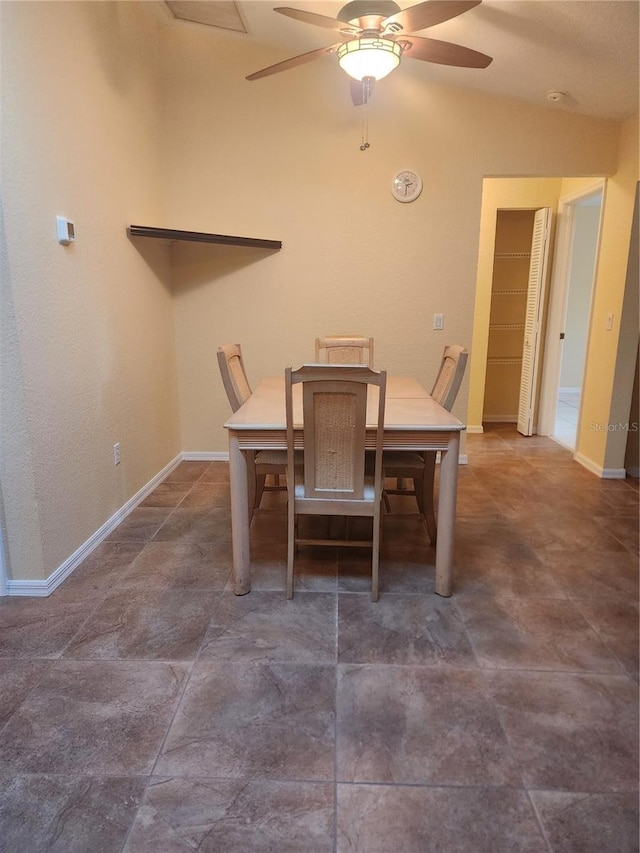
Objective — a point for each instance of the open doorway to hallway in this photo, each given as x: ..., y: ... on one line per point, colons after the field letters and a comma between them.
x: 579, y: 241
x: 570, y: 308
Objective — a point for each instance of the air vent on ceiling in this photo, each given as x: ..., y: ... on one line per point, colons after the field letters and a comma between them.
x: 223, y: 14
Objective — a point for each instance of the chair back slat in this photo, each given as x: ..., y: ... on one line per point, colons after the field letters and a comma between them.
x: 334, y: 440
x: 233, y: 375
x: 450, y: 375
x: 344, y: 349
x: 334, y: 426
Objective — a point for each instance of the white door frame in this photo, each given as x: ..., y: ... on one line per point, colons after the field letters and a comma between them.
x: 556, y: 317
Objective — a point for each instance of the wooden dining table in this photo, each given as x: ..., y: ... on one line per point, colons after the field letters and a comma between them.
x: 413, y: 421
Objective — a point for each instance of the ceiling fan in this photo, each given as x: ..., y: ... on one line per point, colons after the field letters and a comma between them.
x: 375, y: 34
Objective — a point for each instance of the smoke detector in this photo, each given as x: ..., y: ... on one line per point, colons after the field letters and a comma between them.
x: 556, y: 97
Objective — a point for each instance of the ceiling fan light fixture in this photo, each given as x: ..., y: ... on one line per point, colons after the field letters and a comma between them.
x: 369, y: 57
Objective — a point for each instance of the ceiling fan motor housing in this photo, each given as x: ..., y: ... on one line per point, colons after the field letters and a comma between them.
x: 364, y: 8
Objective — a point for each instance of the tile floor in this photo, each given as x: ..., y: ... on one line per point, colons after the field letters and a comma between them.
x: 566, y: 425
x: 144, y: 708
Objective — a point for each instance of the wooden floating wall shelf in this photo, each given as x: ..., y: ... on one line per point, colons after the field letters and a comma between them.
x: 201, y: 237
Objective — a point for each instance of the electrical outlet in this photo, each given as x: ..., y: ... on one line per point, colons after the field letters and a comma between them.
x: 438, y: 321
x: 116, y: 453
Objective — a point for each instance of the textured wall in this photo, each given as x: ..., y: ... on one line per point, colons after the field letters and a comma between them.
x: 124, y: 117
x: 280, y: 158
x: 88, y: 353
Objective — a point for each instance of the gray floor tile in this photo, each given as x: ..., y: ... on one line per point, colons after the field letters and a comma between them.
x: 505, y: 567
x: 141, y: 525
x: 39, y: 627
x: 419, y: 725
x: 570, y: 732
x: 96, y: 717
x: 615, y: 620
x: 100, y: 573
x: 584, y: 574
x: 266, y: 626
x: 413, y: 819
x: 588, y: 823
x: 17, y: 678
x: 165, y: 624
x: 402, y: 629
x: 234, y: 816
x: 144, y: 704
x: 267, y: 721
x: 195, y: 525
x: 533, y: 633
x: 188, y: 565
x: 67, y: 814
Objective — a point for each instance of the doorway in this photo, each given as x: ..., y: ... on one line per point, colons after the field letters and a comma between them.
x: 574, y: 268
x: 516, y: 317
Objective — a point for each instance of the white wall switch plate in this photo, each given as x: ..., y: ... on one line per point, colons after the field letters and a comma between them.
x: 65, y: 230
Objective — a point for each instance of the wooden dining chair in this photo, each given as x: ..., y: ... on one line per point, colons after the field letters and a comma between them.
x: 420, y: 467
x: 262, y: 462
x: 329, y: 476
x: 344, y: 349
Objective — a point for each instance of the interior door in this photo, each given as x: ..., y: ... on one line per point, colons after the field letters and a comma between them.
x: 533, y: 322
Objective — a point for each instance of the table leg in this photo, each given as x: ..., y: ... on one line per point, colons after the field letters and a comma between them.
x: 449, y: 460
x: 239, y: 516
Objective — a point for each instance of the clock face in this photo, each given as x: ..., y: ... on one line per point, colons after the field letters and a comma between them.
x: 406, y: 185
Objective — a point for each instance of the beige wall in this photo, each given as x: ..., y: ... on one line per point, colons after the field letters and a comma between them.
x: 611, y: 354
x: 92, y: 132
x: 88, y: 352
x: 280, y: 158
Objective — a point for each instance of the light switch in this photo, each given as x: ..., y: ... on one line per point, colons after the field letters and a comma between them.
x: 438, y: 321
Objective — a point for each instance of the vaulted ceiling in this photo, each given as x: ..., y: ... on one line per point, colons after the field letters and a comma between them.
x: 586, y: 49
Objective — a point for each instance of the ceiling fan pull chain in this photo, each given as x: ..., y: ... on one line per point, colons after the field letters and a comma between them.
x: 365, y: 128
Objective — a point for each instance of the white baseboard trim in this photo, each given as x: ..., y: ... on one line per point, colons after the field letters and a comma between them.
x: 500, y: 419
x: 475, y: 429
x: 603, y: 473
x: 44, y: 588
x: 223, y: 456
x: 206, y: 456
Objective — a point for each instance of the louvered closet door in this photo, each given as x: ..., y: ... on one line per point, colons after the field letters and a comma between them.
x: 533, y: 321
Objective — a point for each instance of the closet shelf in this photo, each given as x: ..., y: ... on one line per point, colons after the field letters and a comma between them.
x: 513, y: 360
x: 201, y: 237
x: 512, y: 255
x: 505, y: 327
x: 510, y: 292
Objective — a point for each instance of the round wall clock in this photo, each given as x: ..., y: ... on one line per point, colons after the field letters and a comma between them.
x: 406, y: 185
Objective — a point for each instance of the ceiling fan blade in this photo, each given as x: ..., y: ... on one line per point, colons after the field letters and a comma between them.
x: 318, y: 20
x: 361, y: 91
x: 293, y: 62
x: 443, y: 52
x: 428, y: 14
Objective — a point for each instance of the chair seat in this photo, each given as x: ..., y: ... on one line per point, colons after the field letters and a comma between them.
x: 420, y: 467
x: 271, y: 457
x: 405, y: 459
